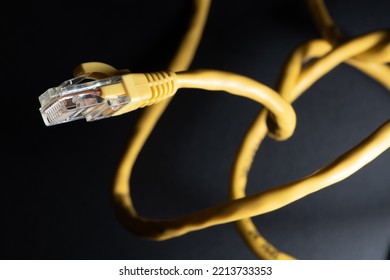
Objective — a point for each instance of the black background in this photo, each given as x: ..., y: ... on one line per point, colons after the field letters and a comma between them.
x: 55, y: 196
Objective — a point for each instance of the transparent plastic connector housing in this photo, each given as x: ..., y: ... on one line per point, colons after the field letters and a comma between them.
x: 80, y: 98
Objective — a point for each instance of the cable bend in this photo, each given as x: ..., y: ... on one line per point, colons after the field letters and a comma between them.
x: 282, y: 120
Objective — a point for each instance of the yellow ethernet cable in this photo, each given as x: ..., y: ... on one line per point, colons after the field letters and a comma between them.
x: 100, y: 91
